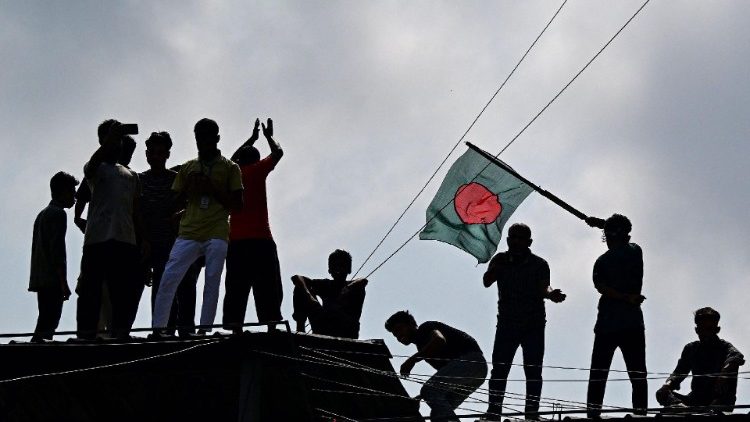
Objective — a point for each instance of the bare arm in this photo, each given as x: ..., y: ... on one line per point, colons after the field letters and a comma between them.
x: 358, y: 283
x: 250, y: 141
x: 431, y: 349
x: 108, y: 148
x: 490, y: 276
x: 79, y: 221
x: 276, y: 151
x: 611, y: 293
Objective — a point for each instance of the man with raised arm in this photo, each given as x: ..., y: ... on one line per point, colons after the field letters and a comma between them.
x: 212, y: 187
x: 252, y: 260
x: 83, y: 197
x: 48, y: 275
x: 460, y: 364
x: 714, y: 363
x: 618, y: 277
x: 339, y: 314
x: 110, y: 254
x: 523, y: 283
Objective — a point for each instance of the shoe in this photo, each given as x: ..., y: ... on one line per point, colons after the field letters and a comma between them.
x: 160, y: 335
x: 492, y: 415
x: 185, y: 333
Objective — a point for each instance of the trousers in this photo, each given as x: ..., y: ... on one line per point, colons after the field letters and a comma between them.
x: 452, y: 384
x: 632, y: 344
x: 507, y: 341
x: 184, y: 253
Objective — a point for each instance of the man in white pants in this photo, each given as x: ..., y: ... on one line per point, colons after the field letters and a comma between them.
x: 212, y: 187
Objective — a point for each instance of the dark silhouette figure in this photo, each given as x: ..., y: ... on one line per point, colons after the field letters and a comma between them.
x: 523, y: 284
x: 83, y: 197
x: 211, y: 187
x: 83, y: 194
x: 110, y: 254
x: 618, y: 277
x: 454, y: 354
x: 160, y: 223
x: 339, y: 314
x: 252, y: 260
x: 714, y: 363
x: 48, y: 275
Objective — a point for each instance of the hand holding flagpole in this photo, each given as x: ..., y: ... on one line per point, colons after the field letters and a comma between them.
x: 591, y: 221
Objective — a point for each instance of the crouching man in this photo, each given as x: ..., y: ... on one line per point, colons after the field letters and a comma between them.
x: 339, y: 314
x: 714, y: 363
x: 460, y: 364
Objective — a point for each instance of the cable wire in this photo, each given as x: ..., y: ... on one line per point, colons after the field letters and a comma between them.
x: 466, y: 132
x: 518, y: 134
x: 111, y: 365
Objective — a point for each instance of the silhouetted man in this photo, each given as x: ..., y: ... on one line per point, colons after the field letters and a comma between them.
x: 48, y: 276
x: 523, y: 282
x: 339, y: 314
x: 212, y: 186
x: 454, y: 354
x: 160, y: 228
x: 83, y: 197
x: 110, y: 254
x: 714, y: 364
x: 252, y: 260
x: 83, y: 194
x: 618, y: 277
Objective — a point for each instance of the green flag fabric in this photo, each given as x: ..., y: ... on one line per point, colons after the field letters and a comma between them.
x: 478, y: 205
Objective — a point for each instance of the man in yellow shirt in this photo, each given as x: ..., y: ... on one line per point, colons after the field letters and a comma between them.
x: 212, y: 186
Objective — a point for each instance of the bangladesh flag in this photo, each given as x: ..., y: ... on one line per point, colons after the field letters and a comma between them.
x: 475, y: 200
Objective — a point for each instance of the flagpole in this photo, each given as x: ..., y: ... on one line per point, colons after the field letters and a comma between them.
x: 564, y: 205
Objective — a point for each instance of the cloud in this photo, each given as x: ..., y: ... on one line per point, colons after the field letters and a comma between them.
x: 368, y: 98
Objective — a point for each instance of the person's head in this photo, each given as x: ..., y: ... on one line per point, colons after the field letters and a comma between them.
x: 158, y: 146
x: 104, y: 128
x: 248, y: 155
x: 339, y: 264
x: 403, y: 326
x: 102, y: 131
x: 707, y: 323
x: 519, y: 238
x: 617, y: 230
x: 128, y: 148
x: 206, y: 136
x: 63, y: 188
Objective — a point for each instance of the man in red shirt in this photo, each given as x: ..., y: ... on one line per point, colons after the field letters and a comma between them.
x: 252, y: 261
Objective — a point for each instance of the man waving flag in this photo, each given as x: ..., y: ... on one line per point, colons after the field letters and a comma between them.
x: 475, y: 200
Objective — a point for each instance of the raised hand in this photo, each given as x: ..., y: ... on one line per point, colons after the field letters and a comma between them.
x: 268, y: 128
x: 595, y: 222
x: 256, y: 131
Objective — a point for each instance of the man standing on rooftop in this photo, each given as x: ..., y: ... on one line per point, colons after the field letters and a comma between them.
x: 110, y: 254
x: 523, y: 283
x: 618, y: 277
x: 212, y: 186
x: 252, y: 259
x: 48, y: 276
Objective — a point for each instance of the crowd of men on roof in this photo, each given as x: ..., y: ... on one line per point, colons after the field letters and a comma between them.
x: 159, y: 228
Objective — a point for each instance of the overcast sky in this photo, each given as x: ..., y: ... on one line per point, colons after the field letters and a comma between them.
x: 367, y: 98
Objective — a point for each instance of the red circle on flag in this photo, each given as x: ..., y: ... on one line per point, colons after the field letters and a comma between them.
x: 475, y: 204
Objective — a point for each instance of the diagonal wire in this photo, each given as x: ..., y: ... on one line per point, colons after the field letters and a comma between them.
x: 519, y: 133
x: 492, y: 98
